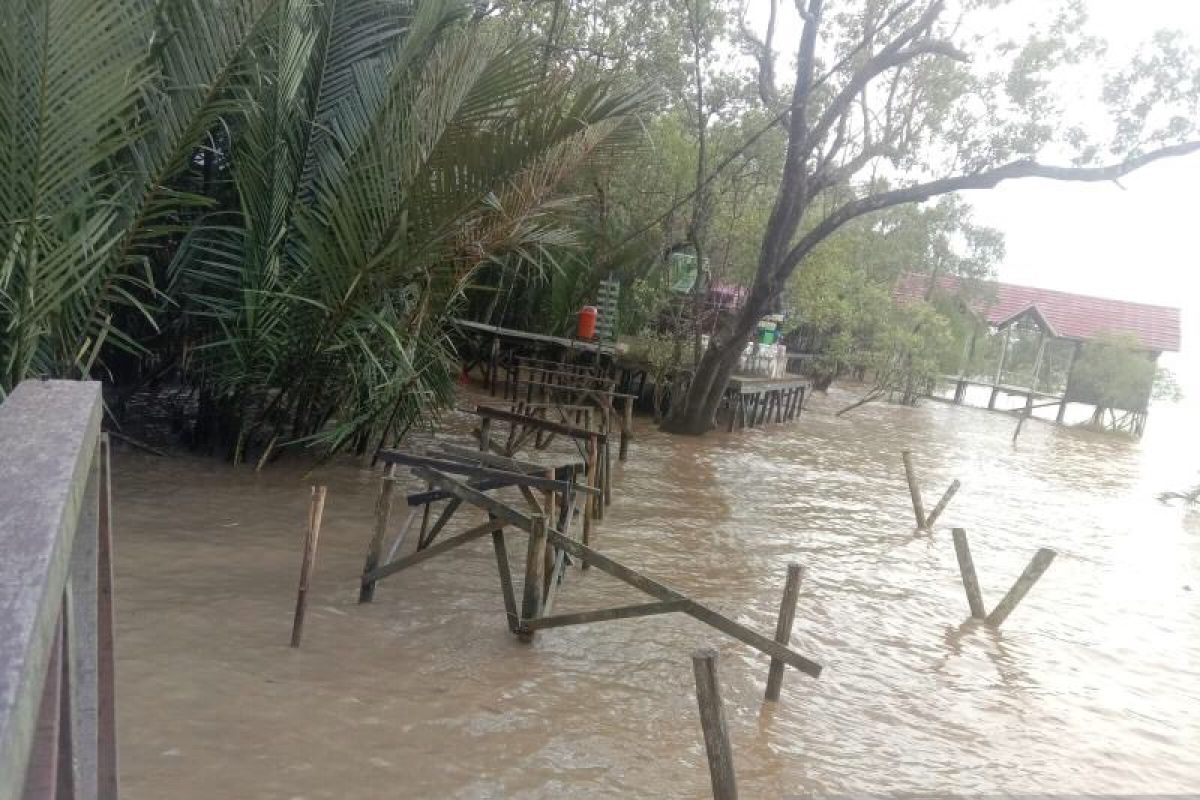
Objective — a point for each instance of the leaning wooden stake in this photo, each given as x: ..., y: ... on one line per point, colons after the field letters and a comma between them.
x: 914, y: 489
x: 783, y: 628
x: 967, y: 567
x: 1037, y: 565
x: 383, y: 511
x: 712, y: 721
x: 941, y: 506
x: 315, y: 511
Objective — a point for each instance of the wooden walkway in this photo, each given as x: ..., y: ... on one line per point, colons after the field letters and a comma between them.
x: 751, y: 402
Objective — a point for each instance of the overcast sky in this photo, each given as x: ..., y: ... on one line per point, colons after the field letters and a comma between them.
x: 1140, y: 243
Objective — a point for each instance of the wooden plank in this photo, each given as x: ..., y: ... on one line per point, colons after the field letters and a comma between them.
x: 106, y: 713
x: 712, y: 722
x: 81, y: 692
x: 581, y: 390
x: 460, y: 490
x: 1037, y: 566
x: 398, y: 542
x: 626, y: 427
x: 41, y: 774
x: 966, y: 566
x: 383, y: 510
x: 506, y: 582
x: 447, y: 512
x: 692, y: 608
x: 528, y: 336
x: 458, y: 540
x: 755, y: 640
x: 491, y: 459
x: 489, y: 412
x: 606, y: 614
x: 941, y: 506
x: 458, y: 468
x: 783, y: 628
x: 308, y: 562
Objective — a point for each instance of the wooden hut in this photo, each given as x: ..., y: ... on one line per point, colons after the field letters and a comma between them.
x: 1034, y: 338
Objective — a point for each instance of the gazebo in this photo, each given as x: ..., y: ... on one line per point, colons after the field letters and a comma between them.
x: 1035, y: 337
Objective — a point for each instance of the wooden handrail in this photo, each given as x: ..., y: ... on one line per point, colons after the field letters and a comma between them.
x: 57, y: 726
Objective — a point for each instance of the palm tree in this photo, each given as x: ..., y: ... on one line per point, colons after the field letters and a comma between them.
x: 378, y: 153
x: 101, y: 104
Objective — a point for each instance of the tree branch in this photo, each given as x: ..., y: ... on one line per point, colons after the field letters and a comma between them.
x: 895, y: 53
x: 987, y: 179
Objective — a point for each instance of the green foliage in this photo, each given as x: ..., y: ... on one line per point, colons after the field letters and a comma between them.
x: 362, y: 160
x: 840, y: 306
x: 1113, y: 373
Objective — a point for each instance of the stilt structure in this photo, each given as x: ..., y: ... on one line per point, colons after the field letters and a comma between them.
x: 463, y: 478
x: 1032, y: 340
x: 753, y: 402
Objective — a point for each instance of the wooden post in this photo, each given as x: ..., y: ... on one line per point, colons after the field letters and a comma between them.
x: 941, y: 506
x: 712, y: 722
x: 485, y: 433
x: 535, y: 561
x: 1037, y: 362
x: 626, y: 427
x: 966, y: 566
x: 315, y: 511
x: 1037, y: 565
x: 783, y: 628
x: 607, y: 458
x: 550, y: 512
x: 106, y: 712
x: 1062, y: 407
x: 383, y: 510
x: 913, y: 489
x: 495, y: 359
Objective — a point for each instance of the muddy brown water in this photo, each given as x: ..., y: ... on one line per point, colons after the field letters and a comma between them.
x: 1092, y: 686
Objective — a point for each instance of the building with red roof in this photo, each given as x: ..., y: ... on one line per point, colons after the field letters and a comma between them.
x: 1064, y: 315
x: 1038, y: 334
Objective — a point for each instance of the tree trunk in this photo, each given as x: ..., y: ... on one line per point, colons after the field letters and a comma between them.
x: 694, y: 413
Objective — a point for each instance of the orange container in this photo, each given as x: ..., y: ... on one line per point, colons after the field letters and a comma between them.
x: 586, y: 328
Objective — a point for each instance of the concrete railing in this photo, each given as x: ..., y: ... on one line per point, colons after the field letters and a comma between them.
x: 57, y: 713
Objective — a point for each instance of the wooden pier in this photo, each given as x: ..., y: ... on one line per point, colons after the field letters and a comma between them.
x: 752, y: 402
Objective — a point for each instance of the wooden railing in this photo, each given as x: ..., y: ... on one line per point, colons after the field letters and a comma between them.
x: 57, y: 712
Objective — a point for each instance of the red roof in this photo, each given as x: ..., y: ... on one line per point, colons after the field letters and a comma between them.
x: 1072, y: 316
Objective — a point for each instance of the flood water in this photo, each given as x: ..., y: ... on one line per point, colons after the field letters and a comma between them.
x: 1091, y: 686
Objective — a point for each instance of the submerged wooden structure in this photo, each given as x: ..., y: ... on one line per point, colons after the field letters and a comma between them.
x: 554, y: 498
x: 57, y: 698
x: 1034, y: 338
x: 526, y: 367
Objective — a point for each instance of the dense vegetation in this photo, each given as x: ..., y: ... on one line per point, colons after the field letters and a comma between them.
x: 271, y: 207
